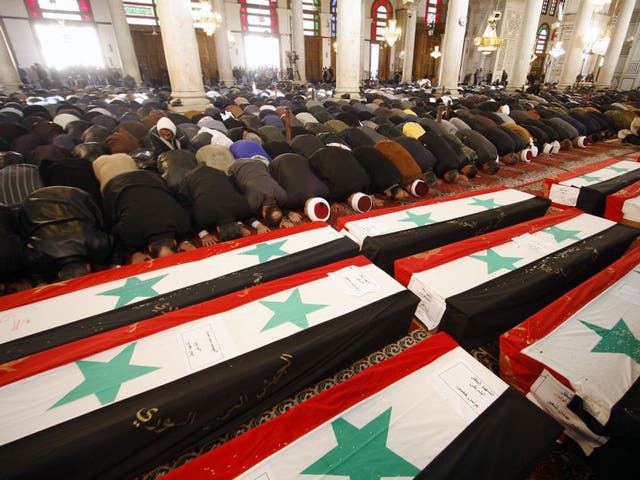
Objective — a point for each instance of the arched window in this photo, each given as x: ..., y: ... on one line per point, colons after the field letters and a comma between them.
x: 258, y: 16
x: 78, y: 10
x: 141, y: 12
x: 311, y: 17
x: 552, y: 7
x: 381, y: 12
x: 432, y: 13
x: 334, y: 13
x: 545, y: 6
x: 542, y: 39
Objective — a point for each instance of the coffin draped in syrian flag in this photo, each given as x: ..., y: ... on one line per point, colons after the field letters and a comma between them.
x: 579, y: 358
x: 388, y: 234
x: 432, y: 411
x: 122, y: 401
x: 624, y: 205
x: 587, y: 188
x: 479, y: 288
x: 43, y: 318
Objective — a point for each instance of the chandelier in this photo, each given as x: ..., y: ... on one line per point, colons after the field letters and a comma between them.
x: 557, y: 50
x: 489, y: 41
x: 392, y: 32
x: 436, y: 53
x: 204, y: 18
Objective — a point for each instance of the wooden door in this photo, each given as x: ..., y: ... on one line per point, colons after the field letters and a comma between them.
x: 313, y: 58
x: 208, y: 59
x: 147, y: 43
x: 384, y: 59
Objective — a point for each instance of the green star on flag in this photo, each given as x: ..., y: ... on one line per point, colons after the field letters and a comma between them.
x: 560, y: 234
x: 362, y: 453
x: 420, y: 220
x: 292, y: 310
x: 134, y: 288
x: 590, y: 178
x: 487, y: 203
x: 617, y: 340
x: 103, y: 379
x: 496, y: 262
x: 265, y: 251
x: 618, y: 169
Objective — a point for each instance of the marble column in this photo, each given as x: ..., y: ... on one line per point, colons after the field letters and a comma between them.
x: 573, y: 55
x: 181, y: 53
x: 298, y: 38
x: 222, y: 45
x: 9, y: 77
x: 618, y: 34
x: 349, y: 20
x: 525, y: 44
x: 452, y: 46
x: 409, y: 44
x: 124, y: 41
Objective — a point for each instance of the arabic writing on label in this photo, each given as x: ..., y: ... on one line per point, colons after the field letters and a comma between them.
x: 201, y: 347
x: 564, y: 195
x: 468, y: 385
x: 354, y: 281
x: 431, y: 307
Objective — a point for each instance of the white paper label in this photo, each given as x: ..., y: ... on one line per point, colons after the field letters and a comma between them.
x: 201, y: 347
x: 535, y: 243
x: 370, y: 227
x: 469, y: 387
x: 354, y: 281
x: 431, y: 307
x: 553, y: 397
x: 564, y: 195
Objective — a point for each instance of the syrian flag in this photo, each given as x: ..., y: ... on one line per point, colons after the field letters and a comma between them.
x: 117, y: 403
x: 587, y: 188
x: 64, y: 312
x: 579, y: 358
x: 432, y: 411
x: 476, y: 289
x: 624, y: 205
x: 388, y: 234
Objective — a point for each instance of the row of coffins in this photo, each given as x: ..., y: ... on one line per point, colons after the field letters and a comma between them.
x: 192, y: 358
x: 119, y: 402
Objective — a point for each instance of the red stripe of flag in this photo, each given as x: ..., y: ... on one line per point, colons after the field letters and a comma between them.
x: 615, y: 201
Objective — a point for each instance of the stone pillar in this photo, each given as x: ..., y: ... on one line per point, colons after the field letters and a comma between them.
x: 124, y: 41
x: 349, y: 20
x: 618, y: 34
x: 452, y: 46
x: 525, y: 44
x: 573, y: 55
x: 181, y: 52
x: 298, y: 38
x: 409, y: 44
x: 222, y: 45
x: 9, y: 77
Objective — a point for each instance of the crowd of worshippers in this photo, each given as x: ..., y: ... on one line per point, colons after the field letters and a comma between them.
x: 97, y: 180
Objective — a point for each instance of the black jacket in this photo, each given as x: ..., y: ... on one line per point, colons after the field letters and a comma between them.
x: 141, y: 209
x: 293, y: 173
x: 179, y: 142
x: 211, y: 197
x: 63, y: 224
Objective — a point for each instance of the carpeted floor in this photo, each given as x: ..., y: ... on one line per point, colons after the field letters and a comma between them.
x: 565, y: 461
